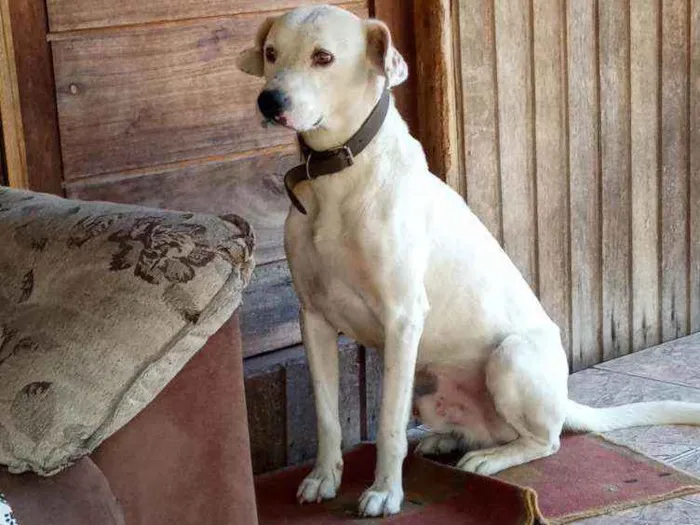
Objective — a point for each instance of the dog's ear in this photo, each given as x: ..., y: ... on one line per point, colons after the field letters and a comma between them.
x: 383, y: 54
x: 252, y: 60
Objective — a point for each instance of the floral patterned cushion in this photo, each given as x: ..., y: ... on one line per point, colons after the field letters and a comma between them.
x: 100, y: 306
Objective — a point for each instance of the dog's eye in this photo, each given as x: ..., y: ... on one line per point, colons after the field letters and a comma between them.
x: 270, y: 54
x: 322, y: 58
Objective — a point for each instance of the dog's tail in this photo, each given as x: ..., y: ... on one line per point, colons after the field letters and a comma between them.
x: 582, y: 418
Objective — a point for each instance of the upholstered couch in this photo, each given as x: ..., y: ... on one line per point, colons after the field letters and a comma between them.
x: 121, y: 385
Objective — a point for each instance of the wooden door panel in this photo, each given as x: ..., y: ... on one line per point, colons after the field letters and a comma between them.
x: 250, y: 186
x: 67, y: 15
x: 151, y: 96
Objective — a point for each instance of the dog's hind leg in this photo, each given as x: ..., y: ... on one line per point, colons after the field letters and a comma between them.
x: 321, y: 341
x: 526, y: 377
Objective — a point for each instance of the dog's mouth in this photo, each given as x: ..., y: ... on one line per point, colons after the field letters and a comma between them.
x: 283, y: 121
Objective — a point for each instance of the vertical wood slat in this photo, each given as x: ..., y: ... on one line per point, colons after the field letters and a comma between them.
x: 694, y: 218
x: 27, y: 100
x: 644, y: 70
x: 617, y: 227
x: 10, y: 105
x: 437, y: 122
x: 549, y: 34
x: 516, y: 137
x: 614, y: 50
x: 479, y: 102
x: 674, y: 165
x: 584, y: 140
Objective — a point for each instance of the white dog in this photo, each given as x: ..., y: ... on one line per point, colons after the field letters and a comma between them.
x: 383, y: 251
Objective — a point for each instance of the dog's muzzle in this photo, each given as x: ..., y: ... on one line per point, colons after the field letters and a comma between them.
x: 272, y: 103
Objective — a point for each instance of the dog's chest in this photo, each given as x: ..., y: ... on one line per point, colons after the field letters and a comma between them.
x: 338, y: 283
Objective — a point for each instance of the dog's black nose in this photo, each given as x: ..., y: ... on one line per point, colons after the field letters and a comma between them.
x: 272, y: 103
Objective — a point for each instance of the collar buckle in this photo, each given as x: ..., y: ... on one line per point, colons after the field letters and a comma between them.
x: 348, y: 156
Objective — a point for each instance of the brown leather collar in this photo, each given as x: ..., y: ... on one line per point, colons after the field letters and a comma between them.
x: 319, y: 163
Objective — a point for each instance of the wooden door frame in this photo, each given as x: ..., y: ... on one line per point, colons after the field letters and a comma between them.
x: 28, y: 99
x: 424, y: 32
x: 10, y: 107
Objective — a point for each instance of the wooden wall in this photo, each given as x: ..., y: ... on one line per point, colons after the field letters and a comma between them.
x: 580, y: 129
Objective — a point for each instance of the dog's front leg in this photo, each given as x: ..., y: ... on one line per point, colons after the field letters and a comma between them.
x: 321, y: 342
x: 403, y: 333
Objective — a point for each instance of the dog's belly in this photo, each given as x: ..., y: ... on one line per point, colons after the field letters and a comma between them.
x: 456, y: 399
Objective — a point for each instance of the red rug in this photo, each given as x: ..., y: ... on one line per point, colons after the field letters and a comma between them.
x: 588, y: 476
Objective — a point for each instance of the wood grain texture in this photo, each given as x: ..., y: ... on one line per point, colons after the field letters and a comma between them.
x: 292, y: 400
x: 552, y: 161
x: 270, y: 311
x: 251, y: 186
x: 437, y: 111
x: 586, y: 271
x: 614, y: 60
x: 399, y: 16
x: 516, y: 134
x: 265, y: 402
x: 153, y: 95
x: 674, y: 173
x: 36, y: 95
x: 66, y: 15
x: 644, y: 83
x: 694, y: 85
x: 14, y: 144
x: 479, y: 103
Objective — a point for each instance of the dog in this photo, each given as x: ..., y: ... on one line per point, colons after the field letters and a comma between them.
x: 383, y: 251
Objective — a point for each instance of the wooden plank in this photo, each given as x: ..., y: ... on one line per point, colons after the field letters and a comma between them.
x: 695, y: 166
x: 437, y: 111
x: 265, y: 401
x: 155, y: 95
x: 251, y: 186
x: 674, y: 174
x: 399, y: 16
x: 10, y: 104
x: 644, y: 81
x: 37, y: 97
x: 516, y: 134
x: 479, y: 103
x: 270, y: 311
x: 614, y: 56
x: 584, y: 169
x: 552, y: 161
x: 27, y: 100
x: 66, y: 15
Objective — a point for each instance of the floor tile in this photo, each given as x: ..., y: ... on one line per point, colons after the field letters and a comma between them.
x: 679, y: 511
x: 597, y: 387
x: 676, y: 362
x: 689, y: 462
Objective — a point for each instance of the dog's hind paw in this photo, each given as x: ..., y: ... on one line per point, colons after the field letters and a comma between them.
x: 381, y: 501
x: 320, y: 484
x: 435, y: 444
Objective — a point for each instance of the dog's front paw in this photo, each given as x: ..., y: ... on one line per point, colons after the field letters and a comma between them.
x: 322, y: 483
x: 381, y: 500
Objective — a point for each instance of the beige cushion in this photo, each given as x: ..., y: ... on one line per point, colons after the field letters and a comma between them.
x: 100, y: 306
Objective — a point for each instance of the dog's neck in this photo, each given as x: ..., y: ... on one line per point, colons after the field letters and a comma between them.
x: 337, y: 130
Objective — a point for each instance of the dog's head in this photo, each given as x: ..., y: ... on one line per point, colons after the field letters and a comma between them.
x: 316, y: 61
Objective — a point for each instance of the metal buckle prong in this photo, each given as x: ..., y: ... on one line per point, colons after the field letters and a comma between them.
x: 349, y: 158
x: 308, y: 159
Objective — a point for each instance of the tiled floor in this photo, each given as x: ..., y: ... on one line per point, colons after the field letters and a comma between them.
x: 670, y: 371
